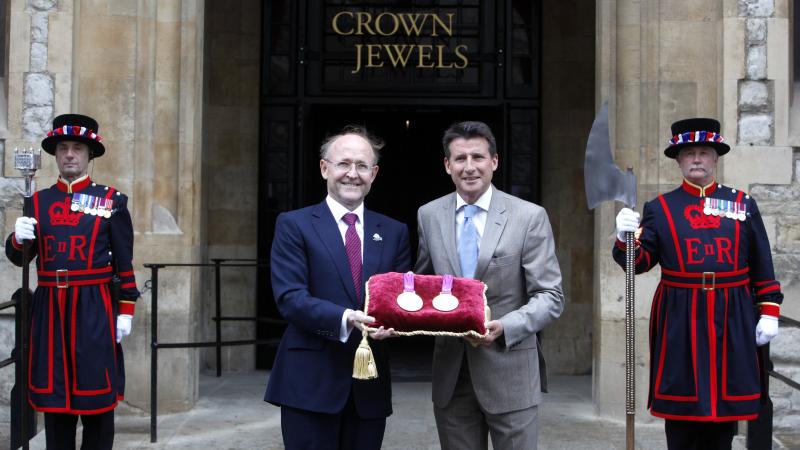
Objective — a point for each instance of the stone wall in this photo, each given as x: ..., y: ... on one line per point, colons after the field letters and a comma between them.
x: 135, y: 66
x: 233, y: 33
x: 567, y: 114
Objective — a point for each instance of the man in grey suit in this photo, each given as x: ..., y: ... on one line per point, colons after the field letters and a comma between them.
x: 489, y: 386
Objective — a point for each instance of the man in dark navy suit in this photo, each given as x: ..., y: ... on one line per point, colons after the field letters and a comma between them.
x: 321, y: 257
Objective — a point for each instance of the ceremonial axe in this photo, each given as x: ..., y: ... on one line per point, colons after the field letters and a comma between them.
x: 605, y: 181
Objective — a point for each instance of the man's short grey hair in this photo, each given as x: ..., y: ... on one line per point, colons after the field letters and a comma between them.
x: 375, y: 142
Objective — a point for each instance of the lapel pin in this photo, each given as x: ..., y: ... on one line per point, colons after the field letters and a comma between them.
x: 377, y: 237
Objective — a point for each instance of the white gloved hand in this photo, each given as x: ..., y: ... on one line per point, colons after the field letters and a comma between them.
x: 766, y: 329
x: 23, y: 229
x: 627, y: 220
x: 358, y: 319
x: 123, y: 326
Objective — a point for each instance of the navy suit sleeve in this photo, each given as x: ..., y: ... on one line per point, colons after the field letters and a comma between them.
x: 402, y: 260
x: 291, y: 283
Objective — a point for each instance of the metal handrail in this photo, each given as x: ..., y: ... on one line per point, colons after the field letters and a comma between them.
x: 218, y: 343
x: 786, y: 321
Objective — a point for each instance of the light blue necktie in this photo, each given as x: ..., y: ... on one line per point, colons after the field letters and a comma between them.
x: 468, y: 242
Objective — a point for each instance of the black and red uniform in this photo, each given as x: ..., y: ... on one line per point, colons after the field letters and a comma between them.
x: 75, y: 366
x: 703, y: 361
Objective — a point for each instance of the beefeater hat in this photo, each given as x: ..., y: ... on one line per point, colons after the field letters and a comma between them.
x: 74, y: 127
x: 696, y: 131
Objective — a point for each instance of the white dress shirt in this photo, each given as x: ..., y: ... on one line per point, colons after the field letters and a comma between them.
x: 480, y: 216
x: 338, y: 211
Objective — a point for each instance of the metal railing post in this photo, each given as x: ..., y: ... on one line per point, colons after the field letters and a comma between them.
x: 154, y: 353
x: 218, y: 312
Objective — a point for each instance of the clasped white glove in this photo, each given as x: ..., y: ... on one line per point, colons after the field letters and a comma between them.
x: 766, y: 329
x: 23, y: 229
x: 627, y: 220
x: 358, y: 319
x: 123, y: 326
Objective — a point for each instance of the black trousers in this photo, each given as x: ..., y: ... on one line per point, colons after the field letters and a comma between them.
x: 687, y: 435
x: 98, y: 431
x: 306, y: 430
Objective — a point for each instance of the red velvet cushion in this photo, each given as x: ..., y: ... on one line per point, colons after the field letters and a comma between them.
x: 469, y: 315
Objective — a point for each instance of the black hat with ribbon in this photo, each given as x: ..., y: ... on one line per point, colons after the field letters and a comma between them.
x: 74, y: 127
x: 693, y: 132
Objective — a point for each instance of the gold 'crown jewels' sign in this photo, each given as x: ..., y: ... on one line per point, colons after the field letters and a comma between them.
x: 406, y: 25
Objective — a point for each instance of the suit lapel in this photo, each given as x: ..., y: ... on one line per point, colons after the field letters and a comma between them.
x: 448, y: 229
x: 373, y: 245
x: 328, y: 231
x: 495, y: 223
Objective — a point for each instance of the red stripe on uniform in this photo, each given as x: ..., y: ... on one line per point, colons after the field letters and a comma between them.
x: 703, y: 418
x: 127, y: 308
x: 712, y: 348
x: 694, y: 338
x: 38, y: 229
x: 75, y: 411
x: 53, y: 273
x: 736, y: 246
x: 672, y: 230
x: 768, y: 289
x: 94, y: 232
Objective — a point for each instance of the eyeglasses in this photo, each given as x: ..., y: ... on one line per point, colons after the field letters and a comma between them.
x: 345, y: 166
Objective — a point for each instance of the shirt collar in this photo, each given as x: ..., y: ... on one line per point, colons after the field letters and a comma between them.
x: 75, y: 186
x: 338, y: 210
x: 483, y: 202
x: 697, y: 190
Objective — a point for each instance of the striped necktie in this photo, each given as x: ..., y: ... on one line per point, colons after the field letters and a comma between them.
x: 352, y: 246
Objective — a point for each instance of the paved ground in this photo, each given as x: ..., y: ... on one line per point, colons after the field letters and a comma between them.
x: 231, y: 415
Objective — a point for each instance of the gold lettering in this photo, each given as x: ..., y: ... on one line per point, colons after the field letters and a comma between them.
x: 411, y: 22
x: 399, y: 53
x: 363, y: 20
x: 378, y: 22
x: 335, y: 22
x: 447, y: 29
x: 461, y: 56
x: 374, y: 54
x: 425, y: 54
x: 358, y: 59
x: 440, y: 60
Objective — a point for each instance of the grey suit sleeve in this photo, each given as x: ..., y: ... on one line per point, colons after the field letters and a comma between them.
x: 542, y: 283
x: 424, y: 265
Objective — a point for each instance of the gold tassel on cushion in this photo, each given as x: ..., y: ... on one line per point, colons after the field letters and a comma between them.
x: 364, y: 364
